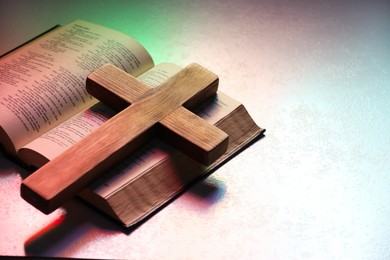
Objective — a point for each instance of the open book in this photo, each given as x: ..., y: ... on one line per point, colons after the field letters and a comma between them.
x: 44, y: 109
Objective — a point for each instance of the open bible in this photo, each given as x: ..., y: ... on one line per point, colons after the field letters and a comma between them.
x: 45, y: 109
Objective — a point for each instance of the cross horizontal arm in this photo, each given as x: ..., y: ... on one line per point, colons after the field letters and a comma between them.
x: 114, y: 87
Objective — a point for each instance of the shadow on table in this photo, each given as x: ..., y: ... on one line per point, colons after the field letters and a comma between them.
x: 70, y: 232
x: 82, y: 224
x: 10, y: 165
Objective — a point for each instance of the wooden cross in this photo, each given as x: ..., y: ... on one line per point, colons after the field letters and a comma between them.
x: 162, y: 112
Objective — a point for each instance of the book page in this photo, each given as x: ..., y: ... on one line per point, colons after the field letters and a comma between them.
x: 58, y: 139
x: 43, y: 83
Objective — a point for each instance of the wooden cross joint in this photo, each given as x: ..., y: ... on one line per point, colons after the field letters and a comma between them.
x: 162, y: 111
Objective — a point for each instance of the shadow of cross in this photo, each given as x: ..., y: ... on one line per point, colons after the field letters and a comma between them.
x: 161, y: 111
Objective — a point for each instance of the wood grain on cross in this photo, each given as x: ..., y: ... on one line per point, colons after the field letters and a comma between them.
x: 162, y: 112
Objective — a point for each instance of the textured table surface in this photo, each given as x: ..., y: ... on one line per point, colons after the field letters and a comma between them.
x: 315, y: 74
